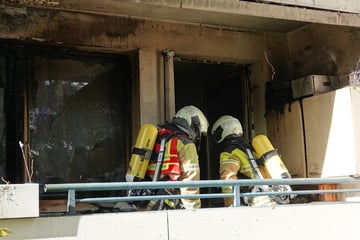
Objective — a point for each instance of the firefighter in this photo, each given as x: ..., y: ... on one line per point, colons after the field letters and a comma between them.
x: 180, y: 161
x: 234, y: 159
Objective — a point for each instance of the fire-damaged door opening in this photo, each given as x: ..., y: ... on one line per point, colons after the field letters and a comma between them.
x: 217, y: 88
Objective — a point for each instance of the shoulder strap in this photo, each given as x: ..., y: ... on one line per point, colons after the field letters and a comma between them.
x: 159, y: 159
x: 164, y: 136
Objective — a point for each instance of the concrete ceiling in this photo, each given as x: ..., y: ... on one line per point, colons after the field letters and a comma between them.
x: 229, y: 20
x: 219, y: 13
x: 214, y: 16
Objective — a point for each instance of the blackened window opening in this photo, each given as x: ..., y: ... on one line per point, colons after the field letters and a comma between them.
x: 70, y: 109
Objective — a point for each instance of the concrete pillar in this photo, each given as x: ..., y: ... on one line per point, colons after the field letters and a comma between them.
x: 151, y: 87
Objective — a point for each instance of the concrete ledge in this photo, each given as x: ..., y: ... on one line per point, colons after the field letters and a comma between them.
x: 352, y: 6
x: 106, y: 226
x: 306, y: 221
x: 317, y: 221
x: 19, y: 200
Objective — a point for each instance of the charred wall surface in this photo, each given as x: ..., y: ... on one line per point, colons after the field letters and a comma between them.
x: 279, y: 56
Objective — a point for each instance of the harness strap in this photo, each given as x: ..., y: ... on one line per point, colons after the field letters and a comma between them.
x: 267, y: 156
x: 159, y: 160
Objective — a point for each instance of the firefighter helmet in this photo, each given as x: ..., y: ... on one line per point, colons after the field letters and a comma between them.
x: 226, y: 126
x: 195, y: 118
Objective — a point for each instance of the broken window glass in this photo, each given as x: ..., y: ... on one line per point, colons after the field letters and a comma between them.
x: 78, y: 113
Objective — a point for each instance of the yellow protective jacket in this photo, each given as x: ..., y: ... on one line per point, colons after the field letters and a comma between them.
x: 232, y: 162
x: 182, y: 152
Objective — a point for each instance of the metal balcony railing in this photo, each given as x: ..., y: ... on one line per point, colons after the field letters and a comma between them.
x: 72, y: 188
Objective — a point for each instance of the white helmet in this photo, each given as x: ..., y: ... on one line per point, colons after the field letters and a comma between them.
x: 226, y: 126
x: 195, y: 118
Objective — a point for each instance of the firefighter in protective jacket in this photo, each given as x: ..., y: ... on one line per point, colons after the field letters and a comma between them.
x: 234, y: 160
x: 180, y: 161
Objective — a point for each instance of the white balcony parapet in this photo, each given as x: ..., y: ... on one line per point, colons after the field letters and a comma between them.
x: 19, y: 200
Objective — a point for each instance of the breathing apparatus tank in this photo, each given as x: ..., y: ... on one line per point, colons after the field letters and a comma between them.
x: 141, y: 153
x: 272, y: 167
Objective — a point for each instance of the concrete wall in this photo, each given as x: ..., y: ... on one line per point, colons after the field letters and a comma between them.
x: 323, y: 49
x: 118, y: 34
x: 313, y: 49
x: 321, y: 221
